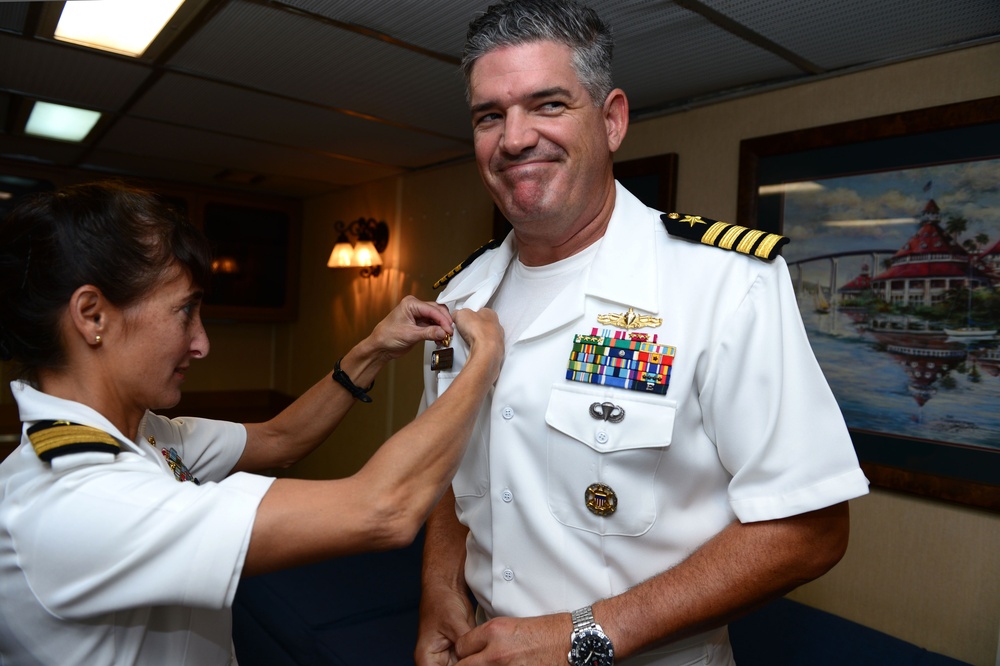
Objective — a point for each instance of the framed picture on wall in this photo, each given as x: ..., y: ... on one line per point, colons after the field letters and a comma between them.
x: 255, y: 259
x: 894, y: 224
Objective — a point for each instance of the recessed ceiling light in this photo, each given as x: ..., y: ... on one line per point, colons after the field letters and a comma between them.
x: 120, y: 26
x: 786, y: 188
x: 55, y: 121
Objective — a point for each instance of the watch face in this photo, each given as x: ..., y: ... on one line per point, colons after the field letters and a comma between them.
x: 592, y: 648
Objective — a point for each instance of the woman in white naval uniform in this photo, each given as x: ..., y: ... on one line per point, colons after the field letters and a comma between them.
x: 123, y: 534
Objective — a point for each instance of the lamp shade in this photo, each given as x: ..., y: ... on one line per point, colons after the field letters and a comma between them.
x: 342, y: 255
x: 365, y: 254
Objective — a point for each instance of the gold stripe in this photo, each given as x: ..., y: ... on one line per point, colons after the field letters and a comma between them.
x: 449, y: 275
x: 766, y: 245
x: 749, y: 240
x: 713, y: 232
x: 730, y: 237
x: 55, y: 437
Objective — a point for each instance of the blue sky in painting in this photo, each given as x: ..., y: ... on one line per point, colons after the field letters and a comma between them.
x: 968, y: 189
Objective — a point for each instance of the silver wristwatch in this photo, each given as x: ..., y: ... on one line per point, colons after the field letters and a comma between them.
x: 589, y: 645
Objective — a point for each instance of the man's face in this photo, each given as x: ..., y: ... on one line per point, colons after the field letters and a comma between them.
x: 543, y: 148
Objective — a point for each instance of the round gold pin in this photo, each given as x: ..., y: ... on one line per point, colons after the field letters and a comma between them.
x: 601, y: 499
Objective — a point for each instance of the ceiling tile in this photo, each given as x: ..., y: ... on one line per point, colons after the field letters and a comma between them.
x: 207, y: 105
x: 157, y: 168
x: 437, y: 25
x: 68, y: 74
x: 666, y: 55
x: 294, y: 56
x: 39, y: 151
x: 141, y: 137
x: 852, y: 32
x: 12, y: 16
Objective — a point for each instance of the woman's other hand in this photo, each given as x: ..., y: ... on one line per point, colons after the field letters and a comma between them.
x: 482, y: 331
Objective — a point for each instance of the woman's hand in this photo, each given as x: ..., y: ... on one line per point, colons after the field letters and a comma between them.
x: 411, y: 322
x: 481, y: 330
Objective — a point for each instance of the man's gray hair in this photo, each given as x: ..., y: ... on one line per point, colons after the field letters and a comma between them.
x: 517, y: 22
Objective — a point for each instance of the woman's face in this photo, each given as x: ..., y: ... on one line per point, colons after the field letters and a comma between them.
x: 158, y: 339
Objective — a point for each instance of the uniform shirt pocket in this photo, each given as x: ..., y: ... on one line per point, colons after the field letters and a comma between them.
x: 621, y: 452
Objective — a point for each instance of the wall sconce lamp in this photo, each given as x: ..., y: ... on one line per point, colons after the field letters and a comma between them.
x: 226, y: 265
x: 372, y: 239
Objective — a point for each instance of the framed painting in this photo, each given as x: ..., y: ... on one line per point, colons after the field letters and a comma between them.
x: 894, y: 224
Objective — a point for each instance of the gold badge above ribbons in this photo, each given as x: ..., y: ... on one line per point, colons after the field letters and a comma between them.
x: 601, y: 499
x: 629, y: 320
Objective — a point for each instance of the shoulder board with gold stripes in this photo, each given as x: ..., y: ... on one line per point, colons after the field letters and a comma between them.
x: 52, y: 439
x: 492, y: 245
x: 728, y: 236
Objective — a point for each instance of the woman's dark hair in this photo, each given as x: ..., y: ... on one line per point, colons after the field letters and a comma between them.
x: 118, y: 238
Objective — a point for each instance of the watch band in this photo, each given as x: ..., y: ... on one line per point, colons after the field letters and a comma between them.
x: 589, y: 645
x: 583, y: 618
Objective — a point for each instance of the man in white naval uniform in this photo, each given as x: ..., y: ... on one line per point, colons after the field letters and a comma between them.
x: 615, y: 511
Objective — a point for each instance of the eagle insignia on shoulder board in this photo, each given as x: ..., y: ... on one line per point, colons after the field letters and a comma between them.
x: 753, y: 242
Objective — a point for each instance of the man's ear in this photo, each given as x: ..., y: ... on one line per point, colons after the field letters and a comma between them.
x: 616, y: 118
x: 88, y: 313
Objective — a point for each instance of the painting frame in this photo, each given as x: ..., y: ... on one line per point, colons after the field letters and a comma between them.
x: 652, y: 179
x: 928, y: 468
x: 269, y: 234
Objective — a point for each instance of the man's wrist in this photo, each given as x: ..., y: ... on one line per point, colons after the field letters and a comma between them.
x: 589, y: 645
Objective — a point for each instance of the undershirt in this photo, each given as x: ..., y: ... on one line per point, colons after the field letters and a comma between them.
x: 526, y: 291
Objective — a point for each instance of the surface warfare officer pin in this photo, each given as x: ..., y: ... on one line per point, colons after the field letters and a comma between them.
x: 441, y: 359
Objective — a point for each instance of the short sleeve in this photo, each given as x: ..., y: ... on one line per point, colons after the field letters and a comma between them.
x: 140, y: 538
x: 777, y: 425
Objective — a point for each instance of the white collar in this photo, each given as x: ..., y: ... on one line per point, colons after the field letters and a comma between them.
x: 34, y: 405
x: 623, y: 269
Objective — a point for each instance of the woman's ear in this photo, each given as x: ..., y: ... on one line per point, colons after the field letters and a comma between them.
x: 88, y: 313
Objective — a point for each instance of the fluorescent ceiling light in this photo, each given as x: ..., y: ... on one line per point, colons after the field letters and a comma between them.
x: 54, y: 121
x: 120, y: 26
x: 870, y: 223
x: 784, y: 188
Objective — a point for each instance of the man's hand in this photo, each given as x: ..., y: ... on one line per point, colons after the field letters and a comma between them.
x: 445, y: 616
x: 517, y: 641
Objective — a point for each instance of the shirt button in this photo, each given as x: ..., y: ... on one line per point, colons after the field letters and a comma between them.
x: 507, y: 496
x: 508, y: 413
x: 602, y: 437
x: 508, y: 575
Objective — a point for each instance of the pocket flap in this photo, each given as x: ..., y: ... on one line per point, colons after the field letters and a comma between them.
x: 633, y: 423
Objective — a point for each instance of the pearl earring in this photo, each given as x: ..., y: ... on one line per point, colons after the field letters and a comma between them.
x: 97, y: 340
